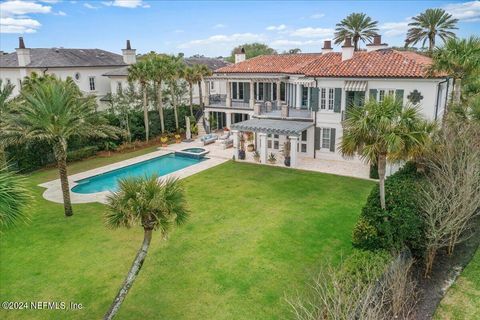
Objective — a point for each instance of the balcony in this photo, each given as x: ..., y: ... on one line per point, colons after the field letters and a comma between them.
x: 267, y: 109
x: 220, y: 101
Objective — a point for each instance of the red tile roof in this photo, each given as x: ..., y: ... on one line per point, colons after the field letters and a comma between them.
x: 277, y: 63
x: 385, y: 63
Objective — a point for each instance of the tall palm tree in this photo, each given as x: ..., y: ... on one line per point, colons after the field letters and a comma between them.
x: 54, y: 111
x: 460, y: 59
x: 140, y: 72
x: 159, y: 74
x: 175, y: 67
x: 151, y: 204
x: 202, y: 71
x: 382, y: 131
x: 191, y: 76
x: 357, y: 26
x: 5, y: 93
x: 430, y: 24
x: 14, y: 198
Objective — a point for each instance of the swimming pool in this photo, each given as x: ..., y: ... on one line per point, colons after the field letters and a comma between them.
x: 196, y: 153
x: 108, y: 181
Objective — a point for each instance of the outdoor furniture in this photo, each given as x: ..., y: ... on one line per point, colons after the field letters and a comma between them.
x: 225, y: 136
x: 209, y: 138
x: 227, y: 143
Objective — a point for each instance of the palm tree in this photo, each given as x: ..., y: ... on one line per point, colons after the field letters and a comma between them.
x: 202, y: 71
x: 151, y: 204
x: 159, y: 73
x: 460, y: 59
x: 5, y: 93
x: 382, y: 131
x: 190, y: 75
x: 54, y: 111
x: 174, y: 67
x: 14, y: 198
x: 430, y: 24
x: 140, y: 72
x: 357, y: 26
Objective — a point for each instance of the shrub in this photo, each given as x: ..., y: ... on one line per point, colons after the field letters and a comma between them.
x: 373, y: 171
x: 82, y: 153
x: 401, y: 223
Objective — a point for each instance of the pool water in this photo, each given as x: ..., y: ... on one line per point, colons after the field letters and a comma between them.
x: 108, y: 181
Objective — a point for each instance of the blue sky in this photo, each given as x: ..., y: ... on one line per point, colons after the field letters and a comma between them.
x: 210, y: 28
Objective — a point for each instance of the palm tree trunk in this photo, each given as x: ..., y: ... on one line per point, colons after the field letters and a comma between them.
x: 191, y: 98
x: 131, y: 276
x: 174, y: 107
x: 200, y: 95
x: 160, y: 106
x: 457, y: 91
x: 355, y: 43
x: 145, y: 113
x: 431, y: 42
x: 382, y: 164
x: 60, y: 151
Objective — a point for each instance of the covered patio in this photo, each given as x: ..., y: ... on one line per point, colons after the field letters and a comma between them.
x: 292, y: 130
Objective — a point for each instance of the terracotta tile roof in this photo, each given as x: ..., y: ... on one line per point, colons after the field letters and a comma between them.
x: 278, y: 63
x: 385, y: 63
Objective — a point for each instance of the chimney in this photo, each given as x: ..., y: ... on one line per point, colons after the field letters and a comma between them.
x: 23, y: 54
x: 376, y: 44
x: 327, y: 46
x: 129, y: 54
x: 347, y: 49
x: 240, y: 56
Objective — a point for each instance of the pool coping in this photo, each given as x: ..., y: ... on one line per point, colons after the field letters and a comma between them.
x: 53, y: 190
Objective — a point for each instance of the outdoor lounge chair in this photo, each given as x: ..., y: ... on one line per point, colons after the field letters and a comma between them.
x: 208, y: 138
x: 225, y: 136
x: 227, y: 143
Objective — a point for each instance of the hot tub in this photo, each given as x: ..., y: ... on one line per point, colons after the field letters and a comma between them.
x: 196, y: 153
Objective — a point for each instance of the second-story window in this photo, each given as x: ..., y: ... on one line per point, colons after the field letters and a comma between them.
x: 212, y: 85
x: 304, y: 96
x: 240, y: 90
x: 331, y: 97
x: 234, y: 90
x: 91, y: 81
x: 119, y: 87
x: 323, y: 98
x: 237, y: 90
x: 282, y: 91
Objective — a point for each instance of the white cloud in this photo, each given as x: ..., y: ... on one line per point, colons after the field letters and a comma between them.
x: 310, y: 32
x: 127, y: 3
x: 277, y: 28
x: 50, y: 1
x: 14, y: 25
x: 286, y: 43
x: 61, y: 13
x: 18, y: 7
x: 393, y: 29
x: 467, y: 11
x: 317, y: 16
x: 89, y: 6
x: 179, y: 31
x: 219, y: 26
x: 232, y: 39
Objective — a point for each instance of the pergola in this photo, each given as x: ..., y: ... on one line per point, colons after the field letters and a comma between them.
x: 263, y: 127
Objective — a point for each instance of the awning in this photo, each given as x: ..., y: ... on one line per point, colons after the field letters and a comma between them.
x: 355, y: 85
x: 304, y: 82
x: 271, y: 126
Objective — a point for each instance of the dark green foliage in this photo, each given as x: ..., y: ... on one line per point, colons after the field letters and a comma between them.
x: 401, y: 223
x: 364, y: 265
x: 82, y: 153
x: 373, y: 171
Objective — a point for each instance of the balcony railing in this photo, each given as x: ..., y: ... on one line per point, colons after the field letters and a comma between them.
x: 220, y: 100
x: 273, y: 109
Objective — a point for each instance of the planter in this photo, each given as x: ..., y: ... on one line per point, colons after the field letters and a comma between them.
x: 250, y: 148
x: 272, y: 161
x: 241, y: 154
x: 287, y: 161
x: 257, y: 159
x: 164, y: 145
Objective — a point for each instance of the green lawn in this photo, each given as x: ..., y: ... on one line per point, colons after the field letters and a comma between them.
x: 462, y: 300
x: 255, y: 235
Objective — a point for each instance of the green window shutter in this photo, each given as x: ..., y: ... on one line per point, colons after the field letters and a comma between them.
x: 399, y: 96
x: 373, y: 94
x: 314, y: 92
x: 332, y: 139
x: 317, y: 138
x: 246, y: 92
x: 338, y: 100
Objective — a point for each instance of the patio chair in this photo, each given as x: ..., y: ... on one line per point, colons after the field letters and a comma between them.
x: 208, y: 138
x: 227, y: 143
x: 225, y: 136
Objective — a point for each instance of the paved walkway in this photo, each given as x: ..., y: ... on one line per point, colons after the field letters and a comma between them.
x: 216, y: 156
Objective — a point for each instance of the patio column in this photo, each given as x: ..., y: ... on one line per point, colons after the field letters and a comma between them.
x: 293, y: 151
x: 251, y: 102
x: 229, y: 119
x: 263, y: 147
x: 228, y: 102
x: 206, y: 116
x: 236, y: 144
x: 206, y: 97
x: 298, y: 103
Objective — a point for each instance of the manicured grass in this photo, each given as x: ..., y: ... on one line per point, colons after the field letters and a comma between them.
x: 462, y: 300
x: 256, y: 234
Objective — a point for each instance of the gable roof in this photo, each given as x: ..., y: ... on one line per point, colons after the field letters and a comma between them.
x: 275, y: 63
x: 384, y: 63
x: 60, y: 57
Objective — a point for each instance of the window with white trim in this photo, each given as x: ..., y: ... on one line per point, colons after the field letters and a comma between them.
x: 385, y: 92
x: 212, y: 85
x: 325, y: 139
x: 303, y: 142
x: 237, y: 90
x: 119, y: 86
x: 323, y: 98
x: 91, y: 81
x: 331, y: 98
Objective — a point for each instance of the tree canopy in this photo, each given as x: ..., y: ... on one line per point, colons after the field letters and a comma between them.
x: 252, y: 50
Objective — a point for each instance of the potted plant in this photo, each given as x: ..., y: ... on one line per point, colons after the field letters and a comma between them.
x: 256, y: 156
x: 272, y: 158
x: 286, y: 153
x: 164, y: 140
x: 178, y: 138
x: 250, y: 146
x: 241, y: 152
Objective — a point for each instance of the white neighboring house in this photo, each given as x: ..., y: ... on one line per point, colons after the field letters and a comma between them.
x: 304, y: 97
x: 85, y: 66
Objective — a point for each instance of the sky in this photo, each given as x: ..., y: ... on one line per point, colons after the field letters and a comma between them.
x: 210, y: 28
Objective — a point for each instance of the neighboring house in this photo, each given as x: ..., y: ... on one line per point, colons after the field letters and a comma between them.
x: 305, y: 96
x: 119, y: 77
x: 85, y: 66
